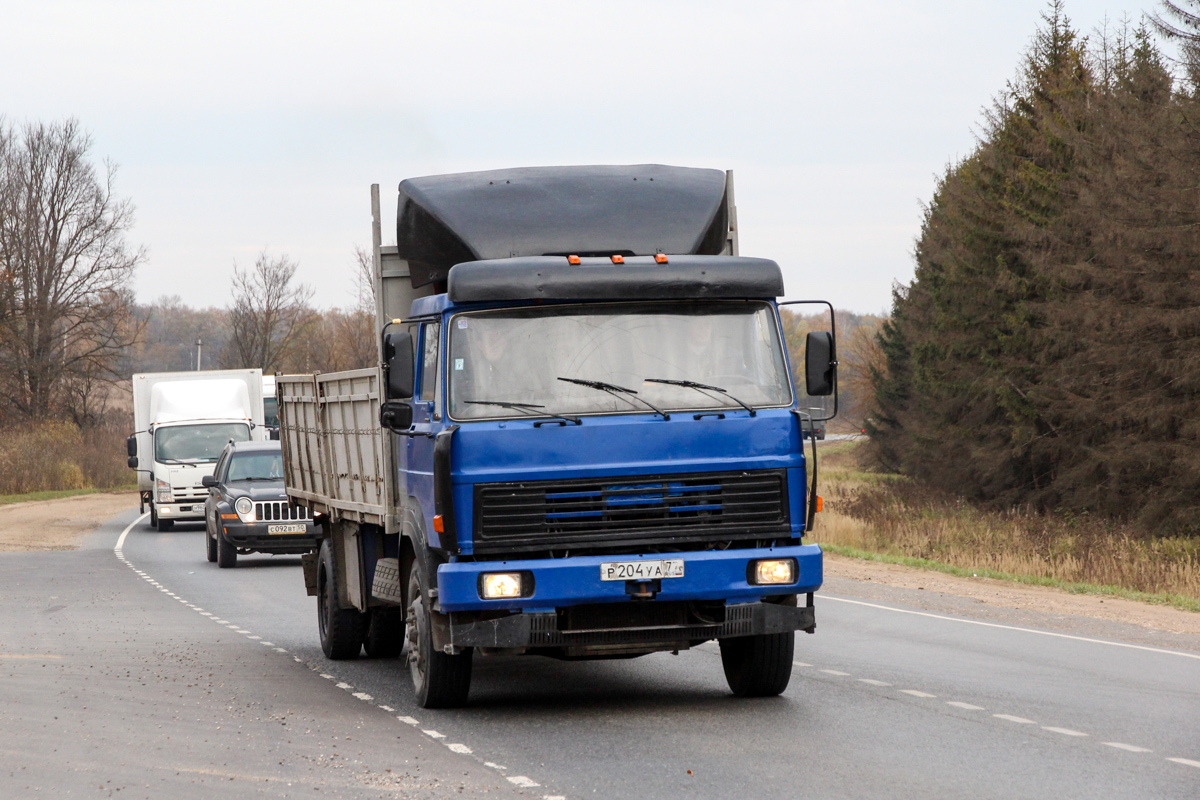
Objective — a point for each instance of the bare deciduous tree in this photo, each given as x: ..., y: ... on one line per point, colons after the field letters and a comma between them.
x: 65, y: 269
x: 268, y: 310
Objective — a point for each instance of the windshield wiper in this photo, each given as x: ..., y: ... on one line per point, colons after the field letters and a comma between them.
x: 704, y: 387
x: 176, y: 461
x: 614, y: 390
x: 527, y: 408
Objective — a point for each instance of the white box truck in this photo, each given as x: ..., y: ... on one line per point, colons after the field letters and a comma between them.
x: 182, y: 421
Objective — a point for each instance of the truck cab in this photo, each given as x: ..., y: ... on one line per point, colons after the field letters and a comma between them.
x: 592, y: 454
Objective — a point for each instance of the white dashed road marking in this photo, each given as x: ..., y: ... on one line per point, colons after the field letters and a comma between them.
x: 915, y: 693
x: 966, y: 706
x: 1011, y: 718
x: 408, y: 720
x: 363, y: 696
x: 1133, y: 748
x: 834, y: 672
x: 494, y: 766
x: 522, y: 781
x: 1064, y: 731
x: 873, y: 682
x: 800, y: 664
x: 1186, y: 761
x: 434, y: 734
x: 460, y: 748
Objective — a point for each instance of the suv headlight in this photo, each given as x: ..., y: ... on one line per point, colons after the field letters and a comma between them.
x: 164, y: 491
x: 244, y: 507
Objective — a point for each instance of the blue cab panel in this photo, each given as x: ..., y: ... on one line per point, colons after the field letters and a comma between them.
x: 707, y: 575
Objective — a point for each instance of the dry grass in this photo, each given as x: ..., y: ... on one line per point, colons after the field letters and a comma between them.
x: 57, y: 456
x: 896, y: 517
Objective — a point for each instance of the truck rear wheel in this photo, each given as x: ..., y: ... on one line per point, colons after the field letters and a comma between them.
x: 439, y: 680
x: 385, y: 633
x: 758, y: 666
x: 342, y: 629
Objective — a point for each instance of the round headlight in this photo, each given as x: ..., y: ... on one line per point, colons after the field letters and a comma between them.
x: 244, y: 507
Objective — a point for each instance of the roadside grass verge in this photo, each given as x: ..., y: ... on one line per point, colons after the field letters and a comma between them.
x: 895, y: 520
x: 7, y: 499
x: 55, y: 456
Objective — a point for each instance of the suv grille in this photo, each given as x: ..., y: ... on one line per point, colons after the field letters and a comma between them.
x: 279, y: 510
x: 603, y: 510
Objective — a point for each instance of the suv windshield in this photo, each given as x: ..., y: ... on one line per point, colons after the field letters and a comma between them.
x: 197, y: 442
x: 518, y: 355
x: 256, y: 466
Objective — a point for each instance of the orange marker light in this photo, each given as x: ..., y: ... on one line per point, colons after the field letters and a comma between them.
x: 439, y: 524
x: 572, y: 259
x: 660, y: 258
x: 820, y: 506
x: 618, y: 259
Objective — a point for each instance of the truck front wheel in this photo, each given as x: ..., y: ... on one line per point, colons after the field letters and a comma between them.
x: 758, y: 666
x: 342, y: 629
x: 153, y: 516
x: 439, y: 680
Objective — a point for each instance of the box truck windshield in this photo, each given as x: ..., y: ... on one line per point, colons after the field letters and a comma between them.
x: 193, y: 443
x: 683, y: 357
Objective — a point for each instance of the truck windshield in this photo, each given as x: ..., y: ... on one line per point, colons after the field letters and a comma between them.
x: 197, y: 442
x: 256, y: 467
x: 518, y: 355
x: 271, y: 412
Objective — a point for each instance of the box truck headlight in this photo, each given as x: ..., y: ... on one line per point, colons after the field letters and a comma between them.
x: 164, y: 491
x: 244, y: 507
x: 773, y: 571
x: 500, y: 585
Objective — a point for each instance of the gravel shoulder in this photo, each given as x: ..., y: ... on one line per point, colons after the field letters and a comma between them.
x: 58, y: 524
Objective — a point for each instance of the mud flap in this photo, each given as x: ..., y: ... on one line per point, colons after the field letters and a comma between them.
x: 308, y: 563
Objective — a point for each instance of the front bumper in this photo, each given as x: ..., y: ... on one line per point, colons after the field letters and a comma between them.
x: 182, y: 512
x: 254, y: 536
x: 541, y: 630
x: 558, y: 582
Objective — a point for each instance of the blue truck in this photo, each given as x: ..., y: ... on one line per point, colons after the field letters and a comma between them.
x: 582, y: 439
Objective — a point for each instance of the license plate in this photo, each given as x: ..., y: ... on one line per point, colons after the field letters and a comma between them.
x: 641, y: 570
x: 285, y: 529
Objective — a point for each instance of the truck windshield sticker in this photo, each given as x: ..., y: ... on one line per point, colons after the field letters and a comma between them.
x: 518, y: 354
x: 462, y: 322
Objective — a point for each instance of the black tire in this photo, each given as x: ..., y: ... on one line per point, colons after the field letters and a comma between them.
x: 226, y: 553
x: 210, y: 545
x: 153, y: 517
x: 758, y: 666
x: 342, y: 629
x: 385, y: 633
x: 439, y: 680
x: 165, y: 525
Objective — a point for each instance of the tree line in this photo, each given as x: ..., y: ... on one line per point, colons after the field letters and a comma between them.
x: 1047, y: 351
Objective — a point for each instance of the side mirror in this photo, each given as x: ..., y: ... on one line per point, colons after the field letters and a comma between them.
x: 820, y: 366
x: 395, y: 415
x: 131, y: 446
x: 208, y: 481
x: 398, y: 357
x: 132, y: 462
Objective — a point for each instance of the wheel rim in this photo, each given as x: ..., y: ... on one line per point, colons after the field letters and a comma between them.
x: 415, y: 633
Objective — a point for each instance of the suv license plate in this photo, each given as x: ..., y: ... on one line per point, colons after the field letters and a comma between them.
x: 285, y: 529
x: 641, y: 570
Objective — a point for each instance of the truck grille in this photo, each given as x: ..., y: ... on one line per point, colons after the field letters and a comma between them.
x: 279, y: 510
x: 544, y: 513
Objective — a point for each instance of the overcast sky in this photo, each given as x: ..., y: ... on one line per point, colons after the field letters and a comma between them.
x: 239, y: 126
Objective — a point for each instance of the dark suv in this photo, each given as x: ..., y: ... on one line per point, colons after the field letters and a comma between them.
x: 247, y: 510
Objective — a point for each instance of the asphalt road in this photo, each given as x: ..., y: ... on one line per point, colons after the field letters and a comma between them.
x: 885, y: 701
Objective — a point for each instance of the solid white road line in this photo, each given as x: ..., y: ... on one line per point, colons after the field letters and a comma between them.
x: 1011, y: 718
x: 1064, y: 731
x: 1013, y: 628
x: 1133, y: 748
x: 915, y: 693
x: 120, y: 545
x: 966, y: 706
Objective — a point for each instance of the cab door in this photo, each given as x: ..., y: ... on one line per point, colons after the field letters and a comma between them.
x: 427, y: 419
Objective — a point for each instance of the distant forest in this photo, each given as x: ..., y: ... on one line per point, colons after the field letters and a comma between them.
x: 1047, y: 352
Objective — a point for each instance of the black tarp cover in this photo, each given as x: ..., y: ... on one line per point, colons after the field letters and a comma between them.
x: 443, y: 220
